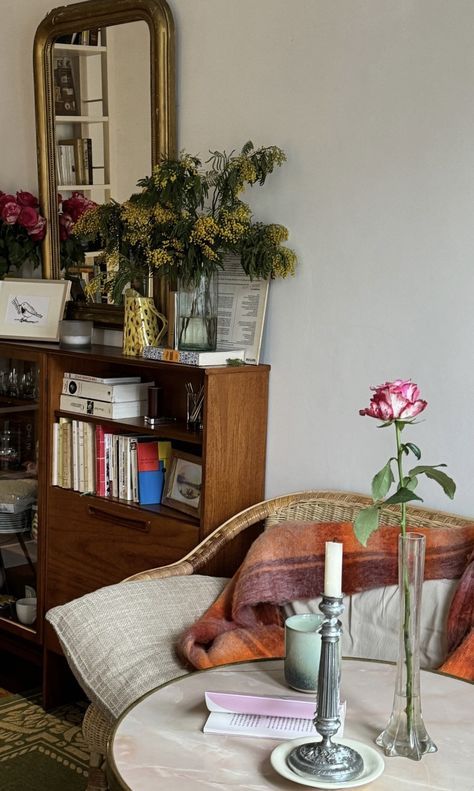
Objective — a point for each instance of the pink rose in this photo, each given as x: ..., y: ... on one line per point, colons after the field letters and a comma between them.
x: 38, y: 232
x: 10, y: 211
x: 27, y: 199
x: 28, y: 217
x: 66, y: 225
x: 398, y: 400
x: 6, y: 198
x: 77, y: 205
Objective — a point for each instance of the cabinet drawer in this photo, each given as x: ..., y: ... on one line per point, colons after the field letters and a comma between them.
x: 94, y: 542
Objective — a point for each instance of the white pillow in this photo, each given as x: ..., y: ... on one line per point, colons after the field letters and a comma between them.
x: 370, y: 621
x: 120, y: 640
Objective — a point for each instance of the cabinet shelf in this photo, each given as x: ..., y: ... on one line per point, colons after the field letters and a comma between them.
x: 175, y: 430
x: 83, y: 50
x: 82, y: 119
x: 11, y: 410
x: 85, y: 187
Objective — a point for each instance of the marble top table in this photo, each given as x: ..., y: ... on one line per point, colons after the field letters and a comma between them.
x: 158, y: 743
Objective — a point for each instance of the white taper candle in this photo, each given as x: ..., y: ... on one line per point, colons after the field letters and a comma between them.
x: 333, y: 569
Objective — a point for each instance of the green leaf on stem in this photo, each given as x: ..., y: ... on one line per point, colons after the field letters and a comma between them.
x: 414, y: 449
x: 366, y: 523
x: 410, y: 483
x: 403, y: 495
x: 446, y: 483
x: 382, y: 481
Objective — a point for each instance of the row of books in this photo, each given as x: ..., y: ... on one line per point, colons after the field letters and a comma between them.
x: 74, y: 161
x: 90, y: 459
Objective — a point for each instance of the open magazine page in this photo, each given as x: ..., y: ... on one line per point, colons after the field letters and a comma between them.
x: 262, y: 716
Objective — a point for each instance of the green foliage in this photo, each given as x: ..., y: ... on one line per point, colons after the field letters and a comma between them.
x: 382, y: 481
x: 409, y: 446
x: 366, y: 523
x: 433, y: 472
x: 16, y: 247
x: 185, y: 220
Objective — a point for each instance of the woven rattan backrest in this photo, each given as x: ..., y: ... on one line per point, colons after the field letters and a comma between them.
x: 342, y: 507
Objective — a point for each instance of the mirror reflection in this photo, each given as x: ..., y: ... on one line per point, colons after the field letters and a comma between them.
x: 105, y: 113
x: 102, y: 111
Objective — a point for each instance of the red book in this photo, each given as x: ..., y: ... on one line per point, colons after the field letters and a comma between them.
x: 147, y: 455
x: 100, y: 461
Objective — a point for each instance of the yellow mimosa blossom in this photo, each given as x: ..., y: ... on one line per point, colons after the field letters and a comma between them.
x: 205, y: 231
x: 158, y: 258
x: 187, y: 216
x: 276, y: 233
x: 209, y: 253
x: 136, y: 220
x: 283, y: 263
x: 234, y: 223
x: 246, y: 170
x: 89, y: 223
x: 162, y: 215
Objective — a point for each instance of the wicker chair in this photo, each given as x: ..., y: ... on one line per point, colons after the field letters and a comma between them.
x: 317, y: 506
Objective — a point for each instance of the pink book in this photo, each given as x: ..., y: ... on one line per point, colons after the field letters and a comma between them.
x: 100, y: 461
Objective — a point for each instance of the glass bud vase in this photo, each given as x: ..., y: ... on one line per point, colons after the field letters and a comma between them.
x: 405, y: 734
x: 197, y: 315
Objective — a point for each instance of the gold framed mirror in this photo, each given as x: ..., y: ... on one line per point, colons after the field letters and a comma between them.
x: 64, y: 41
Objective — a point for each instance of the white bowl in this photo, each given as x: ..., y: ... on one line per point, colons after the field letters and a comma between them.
x: 26, y: 610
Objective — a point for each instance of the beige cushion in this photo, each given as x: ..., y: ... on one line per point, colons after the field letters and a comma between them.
x: 370, y: 622
x: 119, y: 641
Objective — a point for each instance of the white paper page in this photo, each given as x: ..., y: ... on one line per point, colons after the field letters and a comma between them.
x: 241, y: 310
x: 263, y: 726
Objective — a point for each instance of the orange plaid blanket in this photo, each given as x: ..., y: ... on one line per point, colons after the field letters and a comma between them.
x: 287, y: 563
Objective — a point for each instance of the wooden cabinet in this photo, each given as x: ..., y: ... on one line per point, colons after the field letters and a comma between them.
x: 86, y: 541
x: 22, y: 495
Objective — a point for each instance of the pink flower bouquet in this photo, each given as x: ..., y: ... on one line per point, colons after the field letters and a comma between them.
x: 70, y: 210
x: 22, y: 228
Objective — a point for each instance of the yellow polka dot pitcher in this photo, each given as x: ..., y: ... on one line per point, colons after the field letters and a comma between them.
x: 143, y: 324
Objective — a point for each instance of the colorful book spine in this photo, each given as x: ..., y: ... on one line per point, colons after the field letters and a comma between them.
x: 100, y: 485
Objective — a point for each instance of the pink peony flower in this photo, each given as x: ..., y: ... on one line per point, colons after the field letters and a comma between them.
x: 398, y: 400
x: 26, y: 199
x: 10, y: 211
x: 5, y: 198
x: 66, y: 224
x: 38, y: 232
x: 28, y: 217
x: 77, y: 205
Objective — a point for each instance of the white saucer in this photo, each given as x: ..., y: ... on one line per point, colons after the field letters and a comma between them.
x: 373, y: 764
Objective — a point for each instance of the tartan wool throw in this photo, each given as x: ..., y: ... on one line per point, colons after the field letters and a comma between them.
x: 286, y: 562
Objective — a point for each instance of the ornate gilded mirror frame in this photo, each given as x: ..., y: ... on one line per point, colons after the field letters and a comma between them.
x: 66, y: 20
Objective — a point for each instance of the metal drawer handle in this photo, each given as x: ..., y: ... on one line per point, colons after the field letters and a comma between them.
x: 121, y: 521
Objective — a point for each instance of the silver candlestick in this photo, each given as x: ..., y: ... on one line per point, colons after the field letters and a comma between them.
x: 325, y: 760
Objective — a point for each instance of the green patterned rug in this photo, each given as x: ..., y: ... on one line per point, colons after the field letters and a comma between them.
x: 41, y: 751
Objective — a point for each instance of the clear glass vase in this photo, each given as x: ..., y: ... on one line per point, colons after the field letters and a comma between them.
x: 197, y: 315
x: 405, y: 734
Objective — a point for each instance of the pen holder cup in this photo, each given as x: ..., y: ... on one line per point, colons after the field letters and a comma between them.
x: 194, y: 402
x: 302, y: 651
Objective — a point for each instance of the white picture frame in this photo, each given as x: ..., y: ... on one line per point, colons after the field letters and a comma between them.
x: 31, y: 310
